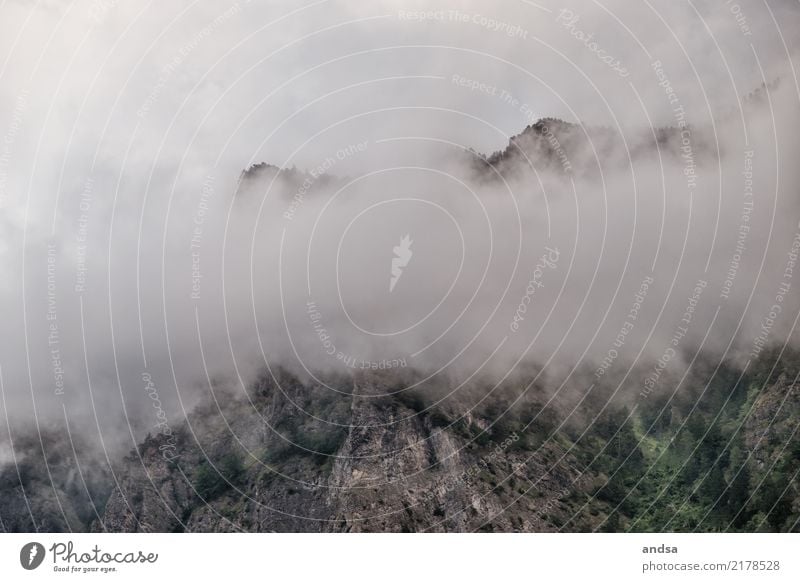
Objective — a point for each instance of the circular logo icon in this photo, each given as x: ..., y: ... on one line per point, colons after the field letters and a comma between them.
x: 31, y: 555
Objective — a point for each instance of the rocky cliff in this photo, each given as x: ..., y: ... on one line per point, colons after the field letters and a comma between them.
x: 371, y: 455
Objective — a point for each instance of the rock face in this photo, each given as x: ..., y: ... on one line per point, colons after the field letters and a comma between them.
x: 396, y: 467
x: 367, y: 454
x: 773, y: 424
x: 52, y: 483
x: 561, y: 148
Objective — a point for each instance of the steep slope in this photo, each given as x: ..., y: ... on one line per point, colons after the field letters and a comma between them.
x: 52, y: 482
x: 398, y: 467
x: 722, y: 454
x: 726, y: 460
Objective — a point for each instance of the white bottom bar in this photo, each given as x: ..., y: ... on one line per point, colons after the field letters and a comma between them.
x: 389, y: 557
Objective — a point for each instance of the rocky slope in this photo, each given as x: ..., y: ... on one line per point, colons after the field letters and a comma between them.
x: 372, y: 456
x: 398, y: 466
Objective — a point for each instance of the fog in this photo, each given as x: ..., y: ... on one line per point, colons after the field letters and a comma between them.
x: 141, y: 262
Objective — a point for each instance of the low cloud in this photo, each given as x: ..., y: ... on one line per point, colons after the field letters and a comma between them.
x: 141, y: 260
